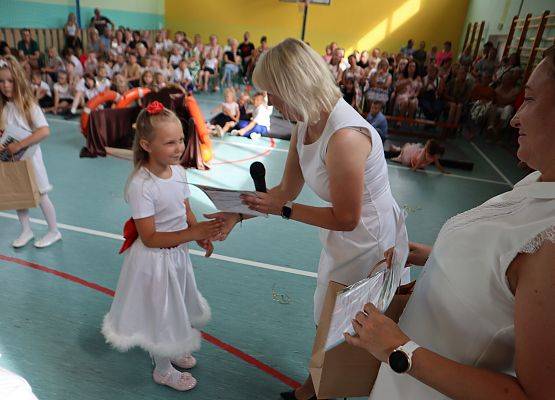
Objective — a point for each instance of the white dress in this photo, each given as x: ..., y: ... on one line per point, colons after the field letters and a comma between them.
x: 157, y: 305
x: 14, y: 387
x: 12, y: 116
x: 347, y: 257
x: 462, y: 307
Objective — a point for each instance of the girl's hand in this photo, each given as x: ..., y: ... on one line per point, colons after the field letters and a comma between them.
x: 206, y: 230
x: 207, y: 245
x: 12, y: 148
x: 376, y: 333
x: 263, y: 202
x: 229, y: 221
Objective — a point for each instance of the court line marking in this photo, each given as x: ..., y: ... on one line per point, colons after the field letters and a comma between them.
x: 470, y: 178
x: 206, y: 336
x: 491, y: 163
x: 199, y: 253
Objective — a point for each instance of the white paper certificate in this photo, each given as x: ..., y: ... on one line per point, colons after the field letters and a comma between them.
x: 229, y: 200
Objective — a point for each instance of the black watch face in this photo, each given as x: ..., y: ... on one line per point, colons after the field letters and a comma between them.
x: 399, y: 362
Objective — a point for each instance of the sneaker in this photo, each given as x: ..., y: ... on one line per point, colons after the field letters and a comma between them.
x: 234, y: 132
x: 186, y: 362
x: 255, y: 136
x: 23, y: 239
x: 181, y: 381
x: 48, y: 240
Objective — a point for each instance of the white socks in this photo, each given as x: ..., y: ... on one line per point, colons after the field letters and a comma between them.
x: 162, y: 365
x: 49, y: 213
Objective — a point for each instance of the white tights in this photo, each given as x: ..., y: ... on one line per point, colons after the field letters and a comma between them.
x: 162, y: 365
x: 49, y: 214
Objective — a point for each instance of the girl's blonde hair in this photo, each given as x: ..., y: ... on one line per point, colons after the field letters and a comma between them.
x: 145, y: 129
x: 22, y: 95
x: 231, y: 91
x: 295, y: 73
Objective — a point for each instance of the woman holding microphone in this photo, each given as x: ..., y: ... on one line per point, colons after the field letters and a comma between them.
x: 340, y: 157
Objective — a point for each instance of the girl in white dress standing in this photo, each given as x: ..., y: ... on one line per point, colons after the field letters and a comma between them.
x: 157, y: 305
x: 19, y: 111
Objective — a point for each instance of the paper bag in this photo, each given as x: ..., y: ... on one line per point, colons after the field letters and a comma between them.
x: 18, y: 188
x: 345, y: 370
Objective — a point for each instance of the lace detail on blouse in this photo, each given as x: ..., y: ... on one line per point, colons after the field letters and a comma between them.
x: 487, y: 211
x: 534, y: 245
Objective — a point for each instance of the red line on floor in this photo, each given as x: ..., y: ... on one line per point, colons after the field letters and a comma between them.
x: 262, y: 154
x: 209, y: 338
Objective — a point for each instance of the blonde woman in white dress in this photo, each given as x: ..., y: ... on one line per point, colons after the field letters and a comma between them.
x: 480, y: 323
x: 339, y: 155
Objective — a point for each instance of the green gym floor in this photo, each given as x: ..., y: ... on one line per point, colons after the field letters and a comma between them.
x: 52, y: 301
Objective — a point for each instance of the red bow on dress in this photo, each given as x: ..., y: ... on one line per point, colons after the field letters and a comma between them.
x: 130, y: 234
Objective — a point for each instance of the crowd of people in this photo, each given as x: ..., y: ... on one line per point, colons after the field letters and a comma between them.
x: 469, y: 94
x: 120, y: 59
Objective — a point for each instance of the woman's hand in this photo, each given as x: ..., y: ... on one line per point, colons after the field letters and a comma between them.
x: 418, y: 253
x: 229, y: 221
x: 376, y: 333
x: 207, y: 245
x: 263, y: 202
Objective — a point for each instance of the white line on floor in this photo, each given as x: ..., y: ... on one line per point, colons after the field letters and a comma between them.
x: 470, y: 178
x: 235, y: 260
x: 75, y: 121
x: 492, y: 164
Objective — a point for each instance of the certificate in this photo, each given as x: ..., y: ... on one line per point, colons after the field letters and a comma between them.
x: 229, y: 200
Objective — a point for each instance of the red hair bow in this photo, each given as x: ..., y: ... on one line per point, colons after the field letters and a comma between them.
x: 155, y: 108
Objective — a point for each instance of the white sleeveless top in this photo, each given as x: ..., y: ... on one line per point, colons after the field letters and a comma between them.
x: 347, y: 257
x: 462, y: 307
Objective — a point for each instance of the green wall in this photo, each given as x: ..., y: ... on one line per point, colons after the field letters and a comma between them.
x: 140, y: 14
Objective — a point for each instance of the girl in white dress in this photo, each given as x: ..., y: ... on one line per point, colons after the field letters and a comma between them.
x: 19, y: 110
x: 157, y: 305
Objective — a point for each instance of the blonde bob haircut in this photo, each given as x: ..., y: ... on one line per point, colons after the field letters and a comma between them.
x: 300, y: 77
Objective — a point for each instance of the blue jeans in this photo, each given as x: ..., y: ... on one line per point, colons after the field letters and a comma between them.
x: 257, y: 128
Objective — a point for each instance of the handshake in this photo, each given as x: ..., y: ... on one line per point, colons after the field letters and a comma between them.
x: 234, y: 205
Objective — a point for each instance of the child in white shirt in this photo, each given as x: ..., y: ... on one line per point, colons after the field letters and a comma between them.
x: 32, y: 121
x: 259, y: 125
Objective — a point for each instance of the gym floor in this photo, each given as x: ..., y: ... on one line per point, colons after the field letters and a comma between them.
x: 259, y: 282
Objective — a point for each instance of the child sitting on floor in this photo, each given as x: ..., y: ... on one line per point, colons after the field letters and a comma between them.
x: 260, y: 123
x: 42, y: 92
x: 228, y: 113
x: 416, y: 156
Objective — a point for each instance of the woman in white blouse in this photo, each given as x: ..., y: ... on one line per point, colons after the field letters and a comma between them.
x: 480, y: 323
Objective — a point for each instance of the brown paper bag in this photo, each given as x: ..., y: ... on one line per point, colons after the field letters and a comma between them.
x: 18, y: 188
x: 345, y: 370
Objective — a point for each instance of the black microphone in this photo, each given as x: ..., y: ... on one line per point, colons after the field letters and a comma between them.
x: 258, y: 174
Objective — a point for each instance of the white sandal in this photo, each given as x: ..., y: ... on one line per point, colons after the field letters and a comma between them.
x: 184, y: 382
x: 186, y: 362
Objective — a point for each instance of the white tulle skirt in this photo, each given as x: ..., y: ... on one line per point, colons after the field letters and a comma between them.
x: 157, y: 305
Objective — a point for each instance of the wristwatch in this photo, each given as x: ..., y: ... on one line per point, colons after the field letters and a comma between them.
x: 400, y: 359
x: 286, y: 210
